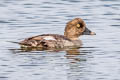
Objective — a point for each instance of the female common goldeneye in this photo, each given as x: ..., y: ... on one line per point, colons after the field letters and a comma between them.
x: 73, y: 30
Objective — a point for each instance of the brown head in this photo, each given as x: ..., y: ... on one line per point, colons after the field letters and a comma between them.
x: 75, y: 28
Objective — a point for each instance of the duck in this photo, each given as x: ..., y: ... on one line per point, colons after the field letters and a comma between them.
x: 73, y: 30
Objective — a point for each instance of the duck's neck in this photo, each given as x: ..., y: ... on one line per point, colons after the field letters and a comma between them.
x: 73, y: 38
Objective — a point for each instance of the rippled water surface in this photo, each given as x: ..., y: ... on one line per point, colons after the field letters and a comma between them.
x: 97, y: 59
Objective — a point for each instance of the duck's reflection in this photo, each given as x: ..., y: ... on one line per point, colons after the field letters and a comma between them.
x: 77, y: 64
x: 71, y: 53
x: 76, y: 61
x: 68, y: 50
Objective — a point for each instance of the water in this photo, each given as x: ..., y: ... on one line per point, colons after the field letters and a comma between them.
x: 98, y: 59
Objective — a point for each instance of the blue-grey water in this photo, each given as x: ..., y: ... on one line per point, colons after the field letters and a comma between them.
x: 97, y: 59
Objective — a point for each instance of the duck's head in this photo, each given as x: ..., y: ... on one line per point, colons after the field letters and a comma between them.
x: 75, y: 28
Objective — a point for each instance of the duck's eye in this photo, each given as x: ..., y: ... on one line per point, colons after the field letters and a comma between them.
x: 78, y: 25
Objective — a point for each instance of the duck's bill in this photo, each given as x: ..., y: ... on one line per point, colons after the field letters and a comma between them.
x: 88, y: 32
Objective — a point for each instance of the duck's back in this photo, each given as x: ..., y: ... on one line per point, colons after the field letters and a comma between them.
x: 47, y: 41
